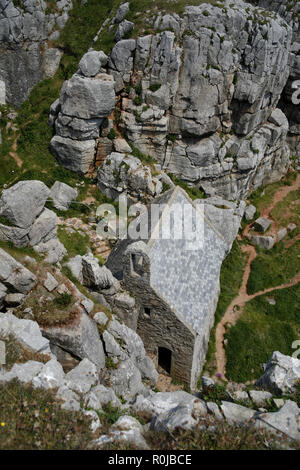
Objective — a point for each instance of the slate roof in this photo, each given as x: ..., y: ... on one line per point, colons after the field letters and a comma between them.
x: 187, y: 279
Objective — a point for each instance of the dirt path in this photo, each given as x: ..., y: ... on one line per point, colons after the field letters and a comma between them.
x: 235, y: 309
x: 14, y: 154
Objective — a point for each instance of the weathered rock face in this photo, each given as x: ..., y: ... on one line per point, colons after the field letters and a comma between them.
x: 219, y: 71
x: 290, y: 108
x: 85, y: 99
x: 25, y: 57
x: 281, y: 375
x: 199, y: 96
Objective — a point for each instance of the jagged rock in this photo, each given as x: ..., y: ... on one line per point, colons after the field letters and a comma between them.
x: 27, y: 371
x: 44, y: 228
x: 239, y: 395
x: 3, y: 291
x: 27, y: 56
x: 126, y: 380
x: 100, y: 318
x: 95, y: 421
x: 83, y: 377
x: 237, y: 414
x: 26, y: 332
x: 50, y: 282
x: 264, y: 241
x: 75, y: 265
x: 95, y: 276
x: 131, y: 347
x: 286, y: 420
x: 262, y: 224
x: 50, y: 376
x: 88, y: 98
x: 124, y: 28
x: 250, y: 212
x: 92, y: 62
x: 131, y: 438
x: 14, y: 300
x: 75, y: 155
x: 281, y: 374
x: 163, y: 402
x: 54, y: 250
x: 259, y: 397
x: 214, y: 410
x: 177, y: 418
x: 121, y: 12
x: 121, y: 146
x: 99, y: 396
x: 125, y: 173
x: 81, y: 338
x: 71, y: 401
x: 23, y: 202
x: 62, y: 195
x: 127, y: 423
x: 207, y: 382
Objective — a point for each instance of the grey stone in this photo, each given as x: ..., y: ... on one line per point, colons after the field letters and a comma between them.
x: 51, y: 375
x: 95, y: 421
x: 23, y: 202
x: 50, y: 282
x: 131, y: 438
x: 92, y: 62
x: 126, y: 380
x: 127, y: 423
x: 237, y: 414
x: 26, y: 332
x: 27, y: 371
x: 44, y: 228
x: 83, y: 377
x: 75, y: 266
x: 281, y: 374
x: 80, y: 338
x: 286, y: 420
x: 62, y: 195
x: 75, y: 155
x: 95, y: 276
x: 121, y: 146
x: 214, y: 410
x: 54, y: 250
x: 121, y: 12
x: 179, y: 417
x: 88, y: 98
x: 124, y: 28
x: 281, y: 234
x: 100, y: 318
x: 250, y: 212
x: 14, y: 300
x: 99, y: 396
x: 265, y: 242
x: 207, y: 382
x: 71, y: 401
x: 262, y: 224
x: 260, y: 398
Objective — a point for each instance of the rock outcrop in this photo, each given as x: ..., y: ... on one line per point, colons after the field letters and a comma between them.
x: 282, y: 374
x: 25, y: 54
x: 200, y: 97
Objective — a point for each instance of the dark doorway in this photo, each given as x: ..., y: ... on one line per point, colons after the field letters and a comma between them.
x: 165, y: 359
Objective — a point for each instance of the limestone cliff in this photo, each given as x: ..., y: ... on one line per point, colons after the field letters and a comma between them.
x: 26, y: 56
x: 199, y: 94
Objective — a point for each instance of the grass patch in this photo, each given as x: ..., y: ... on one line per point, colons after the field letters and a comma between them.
x: 75, y: 243
x: 261, y: 330
x: 192, y: 191
x: 274, y: 267
x: 230, y: 281
x: 15, y: 353
x: 32, y: 419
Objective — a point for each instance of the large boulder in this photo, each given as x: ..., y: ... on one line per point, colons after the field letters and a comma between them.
x: 14, y: 275
x: 282, y: 374
x: 286, y: 420
x: 62, y: 195
x: 23, y: 202
x: 25, y: 332
x: 81, y: 338
x: 88, y: 98
x: 91, y: 63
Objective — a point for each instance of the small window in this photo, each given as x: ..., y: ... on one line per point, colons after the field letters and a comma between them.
x: 137, y: 264
x: 147, y: 311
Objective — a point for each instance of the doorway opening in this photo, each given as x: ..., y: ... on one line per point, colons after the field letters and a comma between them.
x: 165, y: 359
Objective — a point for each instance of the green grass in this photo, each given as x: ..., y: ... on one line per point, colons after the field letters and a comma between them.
x: 274, y: 267
x: 193, y: 192
x: 75, y: 243
x: 32, y: 419
x: 261, y: 330
x: 16, y: 353
x: 230, y: 282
